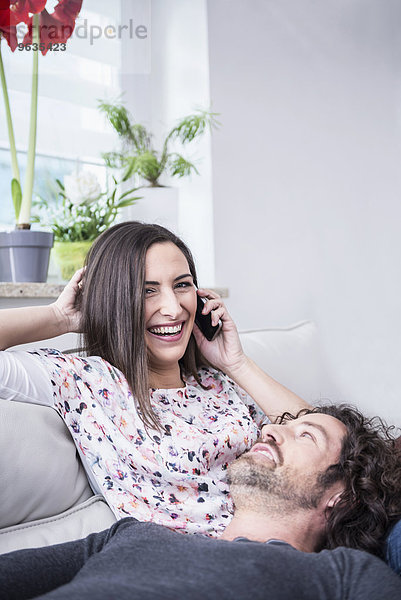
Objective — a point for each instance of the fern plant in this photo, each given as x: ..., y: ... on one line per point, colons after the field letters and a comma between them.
x: 137, y: 155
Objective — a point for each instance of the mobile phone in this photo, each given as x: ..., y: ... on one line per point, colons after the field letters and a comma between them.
x: 204, y: 322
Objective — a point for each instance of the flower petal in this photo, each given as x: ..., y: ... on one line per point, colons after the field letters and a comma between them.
x: 67, y: 11
x: 20, y: 9
x: 8, y: 29
x: 35, y: 6
x: 10, y: 35
x: 57, y: 27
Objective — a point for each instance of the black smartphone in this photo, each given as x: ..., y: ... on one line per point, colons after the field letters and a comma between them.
x: 204, y: 322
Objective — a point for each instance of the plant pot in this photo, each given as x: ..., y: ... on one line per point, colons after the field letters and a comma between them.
x: 158, y: 205
x: 24, y: 255
x: 70, y: 256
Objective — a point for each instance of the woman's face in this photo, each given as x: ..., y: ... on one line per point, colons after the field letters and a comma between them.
x: 170, y: 304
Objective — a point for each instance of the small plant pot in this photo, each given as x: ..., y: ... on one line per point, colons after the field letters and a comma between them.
x: 24, y: 255
x: 70, y: 256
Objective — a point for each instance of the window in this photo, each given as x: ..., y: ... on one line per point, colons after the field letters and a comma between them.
x: 71, y: 131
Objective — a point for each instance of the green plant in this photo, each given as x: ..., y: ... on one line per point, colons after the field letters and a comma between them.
x: 138, y: 157
x: 81, y: 211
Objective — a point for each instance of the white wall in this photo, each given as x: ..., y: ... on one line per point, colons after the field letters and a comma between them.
x: 306, y: 178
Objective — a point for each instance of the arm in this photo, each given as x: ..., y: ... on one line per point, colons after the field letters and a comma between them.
x: 31, y: 324
x: 226, y: 353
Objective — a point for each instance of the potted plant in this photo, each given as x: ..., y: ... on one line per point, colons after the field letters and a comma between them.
x: 138, y: 158
x: 79, y: 213
x: 24, y: 254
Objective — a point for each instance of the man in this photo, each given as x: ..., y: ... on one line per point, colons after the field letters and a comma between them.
x: 321, y: 479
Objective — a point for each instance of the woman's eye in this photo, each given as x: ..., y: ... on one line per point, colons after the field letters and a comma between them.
x: 148, y: 291
x: 184, y: 284
x: 307, y: 434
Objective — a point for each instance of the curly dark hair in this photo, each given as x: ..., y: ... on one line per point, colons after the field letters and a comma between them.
x: 370, y: 467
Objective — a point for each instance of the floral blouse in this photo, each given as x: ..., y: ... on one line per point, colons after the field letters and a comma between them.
x: 175, y: 477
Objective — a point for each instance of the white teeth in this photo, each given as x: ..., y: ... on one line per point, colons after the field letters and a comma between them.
x: 268, y: 454
x: 166, y: 330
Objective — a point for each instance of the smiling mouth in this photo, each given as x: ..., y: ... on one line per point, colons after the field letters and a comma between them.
x: 166, y: 331
x: 267, y: 451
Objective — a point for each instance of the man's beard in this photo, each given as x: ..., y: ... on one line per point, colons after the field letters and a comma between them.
x: 258, y: 486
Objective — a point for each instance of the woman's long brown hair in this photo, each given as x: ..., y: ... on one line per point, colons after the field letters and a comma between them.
x: 113, y: 306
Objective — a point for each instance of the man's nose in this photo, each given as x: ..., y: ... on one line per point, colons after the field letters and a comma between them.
x: 273, y: 433
x: 169, y: 304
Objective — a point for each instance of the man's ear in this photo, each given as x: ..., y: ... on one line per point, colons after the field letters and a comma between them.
x: 334, y: 499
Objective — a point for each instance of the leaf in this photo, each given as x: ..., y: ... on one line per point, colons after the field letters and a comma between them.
x: 128, y: 192
x: 128, y: 202
x: 16, y: 194
x: 180, y: 167
x: 131, y: 168
x: 113, y: 160
x: 194, y: 126
x: 148, y: 167
x: 122, y: 122
x: 61, y: 186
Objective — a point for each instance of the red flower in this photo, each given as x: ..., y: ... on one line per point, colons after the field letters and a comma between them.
x: 58, y: 26
x: 13, y: 12
x: 20, y: 9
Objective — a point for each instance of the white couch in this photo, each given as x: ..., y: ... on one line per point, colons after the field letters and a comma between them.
x: 45, y: 496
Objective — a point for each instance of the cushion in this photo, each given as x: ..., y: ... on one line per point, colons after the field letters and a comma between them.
x: 293, y: 356
x: 41, y: 475
x: 77, y: 522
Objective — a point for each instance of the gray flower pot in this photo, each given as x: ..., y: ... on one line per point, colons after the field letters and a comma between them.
x: 24, y: 255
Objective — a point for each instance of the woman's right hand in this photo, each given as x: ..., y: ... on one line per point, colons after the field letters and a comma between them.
x: 225, y: 351
x: 66, y: 303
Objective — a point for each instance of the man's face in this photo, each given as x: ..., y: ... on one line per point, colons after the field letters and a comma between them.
x: 282, y: 469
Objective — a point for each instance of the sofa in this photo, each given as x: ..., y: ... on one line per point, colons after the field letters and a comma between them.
x: 45, y: 496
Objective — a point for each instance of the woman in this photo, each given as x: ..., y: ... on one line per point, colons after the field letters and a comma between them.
x: 154, y: 422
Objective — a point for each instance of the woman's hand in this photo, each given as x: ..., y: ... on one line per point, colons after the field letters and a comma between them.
x: 66, y: 304
x: 225, y: 351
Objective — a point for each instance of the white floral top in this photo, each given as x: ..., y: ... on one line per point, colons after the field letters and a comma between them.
x: 175, y: 478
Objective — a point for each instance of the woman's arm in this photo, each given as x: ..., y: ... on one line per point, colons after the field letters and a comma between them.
x: 226, y: 353
x: 31, y: 324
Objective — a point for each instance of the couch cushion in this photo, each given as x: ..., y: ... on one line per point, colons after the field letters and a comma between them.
x: 78, y: 522
x: 293, y: 356
x: 41, y: 474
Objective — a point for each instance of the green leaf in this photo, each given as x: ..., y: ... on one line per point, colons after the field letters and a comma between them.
x: 128, y: 193
x: 131, y: 168
x: 180, y: 167
x: 128, y: 202
x: 148, y: 167
x: 113, y: 160
x: 16, y: 194
x: 61, y: 186
x: 120, y: 119
x: 194, y: 126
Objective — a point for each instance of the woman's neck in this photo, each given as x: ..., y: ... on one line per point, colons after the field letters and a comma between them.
x: 165, y: 377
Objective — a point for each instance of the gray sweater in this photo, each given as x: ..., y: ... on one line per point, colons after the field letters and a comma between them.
x: 134, y: 560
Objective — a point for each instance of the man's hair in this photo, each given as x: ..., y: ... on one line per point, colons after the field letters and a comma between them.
x: 113, y: 306
x: 370, y: 468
